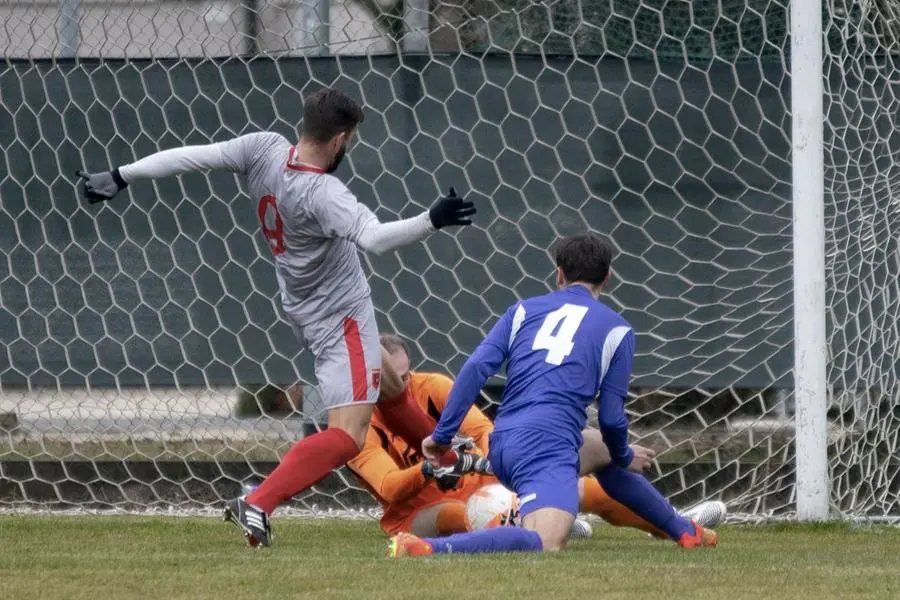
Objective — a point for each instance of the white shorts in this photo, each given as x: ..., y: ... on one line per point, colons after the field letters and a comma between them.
x: 347, y: 354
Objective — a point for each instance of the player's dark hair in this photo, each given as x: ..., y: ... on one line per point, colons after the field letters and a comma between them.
x: 327, y: 113
x: 393, y: 342
x: 584, y: 257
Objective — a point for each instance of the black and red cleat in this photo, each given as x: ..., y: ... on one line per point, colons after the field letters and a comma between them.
x: 253, y: 522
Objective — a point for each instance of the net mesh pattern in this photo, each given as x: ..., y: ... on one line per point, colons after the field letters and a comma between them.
x: 145, y: 363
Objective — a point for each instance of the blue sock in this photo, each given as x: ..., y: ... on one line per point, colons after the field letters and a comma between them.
x: 639, y: 495
x: 498, y: 539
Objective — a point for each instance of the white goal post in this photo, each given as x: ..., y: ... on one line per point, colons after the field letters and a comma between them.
x: 743, y: 156
x: 808, y: 199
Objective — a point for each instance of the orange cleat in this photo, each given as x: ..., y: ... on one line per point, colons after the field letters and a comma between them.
x: 702, y: 538
x: 406, y: 544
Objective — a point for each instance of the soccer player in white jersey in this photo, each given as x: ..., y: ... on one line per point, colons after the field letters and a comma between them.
x: 314, y: 226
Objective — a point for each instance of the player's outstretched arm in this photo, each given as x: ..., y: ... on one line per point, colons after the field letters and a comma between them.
x: 475, y: 424
x: 448, y: 211
x: 611, y: 401
x: 104, y: 186
x: 484, y: 362
x: 234, y: 155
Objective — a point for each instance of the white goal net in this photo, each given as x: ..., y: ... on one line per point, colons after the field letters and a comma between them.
x: 144, y: 363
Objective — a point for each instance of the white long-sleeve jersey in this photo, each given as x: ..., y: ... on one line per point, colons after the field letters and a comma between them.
x: 314, y: 225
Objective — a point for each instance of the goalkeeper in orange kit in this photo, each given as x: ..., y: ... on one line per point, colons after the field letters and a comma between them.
x: 415, y: 499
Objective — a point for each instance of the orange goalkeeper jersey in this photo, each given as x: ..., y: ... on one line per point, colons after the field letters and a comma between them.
x: 392, y: 470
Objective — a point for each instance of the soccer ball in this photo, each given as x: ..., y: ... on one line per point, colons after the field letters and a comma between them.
x: 492, y: 506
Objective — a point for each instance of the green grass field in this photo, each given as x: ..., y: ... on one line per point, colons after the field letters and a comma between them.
x: 114, y: 558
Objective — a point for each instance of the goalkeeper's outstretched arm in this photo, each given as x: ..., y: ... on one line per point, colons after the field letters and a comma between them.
x: 391, y: 482
x: 395, y: 483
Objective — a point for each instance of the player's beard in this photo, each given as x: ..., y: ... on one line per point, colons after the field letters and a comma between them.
x: 336, y: 161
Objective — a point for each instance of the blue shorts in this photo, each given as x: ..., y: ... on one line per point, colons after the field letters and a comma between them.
x: 540, y: 467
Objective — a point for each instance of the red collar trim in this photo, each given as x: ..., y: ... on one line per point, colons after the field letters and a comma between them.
x: 301, y: 168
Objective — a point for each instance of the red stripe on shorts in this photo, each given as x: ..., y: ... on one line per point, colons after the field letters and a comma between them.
x: 357, y: 360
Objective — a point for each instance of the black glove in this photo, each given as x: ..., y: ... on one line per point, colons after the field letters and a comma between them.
x: 98, y: 187
x: 447, y: 478
x: 451, y: 210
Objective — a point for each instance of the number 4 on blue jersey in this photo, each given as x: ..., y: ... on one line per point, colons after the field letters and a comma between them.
x: 561, y: 350
x: 557, y: 331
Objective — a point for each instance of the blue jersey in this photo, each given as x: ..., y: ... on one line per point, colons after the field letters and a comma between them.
x: 562, y: 350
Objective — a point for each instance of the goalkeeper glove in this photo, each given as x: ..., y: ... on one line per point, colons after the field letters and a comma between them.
x: 447, y: 478
x: 451, y: 210
x: 98, y: 187
x: 482, y: 465
x: 462, y: 443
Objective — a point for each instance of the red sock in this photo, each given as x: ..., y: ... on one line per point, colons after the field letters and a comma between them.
x: 403, y: 417
x: 306, y: 463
